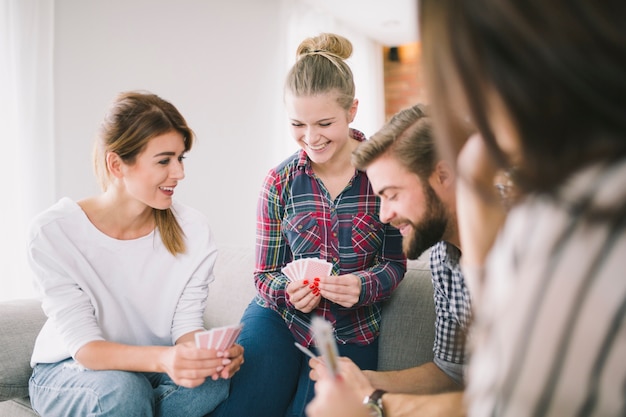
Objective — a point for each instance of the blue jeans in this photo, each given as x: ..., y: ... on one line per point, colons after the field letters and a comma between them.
x: 67, y: 389
x: 274, y: 380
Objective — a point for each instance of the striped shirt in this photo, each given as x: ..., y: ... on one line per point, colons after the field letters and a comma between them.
x: 452, y: 305
x: 551, y: 329
x: 296, y: 218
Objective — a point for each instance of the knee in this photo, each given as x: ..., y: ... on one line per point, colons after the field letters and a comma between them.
x: 130, y: 393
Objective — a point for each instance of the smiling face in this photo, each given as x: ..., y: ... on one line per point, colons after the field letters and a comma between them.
x: 408, y: 204
x: 151, y: 179
x: 319, y: 124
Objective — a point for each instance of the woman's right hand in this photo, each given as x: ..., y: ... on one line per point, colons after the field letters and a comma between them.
x: 304, y: 295
x: 189, y: 366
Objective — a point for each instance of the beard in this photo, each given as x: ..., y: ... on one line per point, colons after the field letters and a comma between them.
x: 430, y: 229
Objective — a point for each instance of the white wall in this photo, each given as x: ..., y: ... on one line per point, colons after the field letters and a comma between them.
x: 218, y: 62
x: 221, y: 63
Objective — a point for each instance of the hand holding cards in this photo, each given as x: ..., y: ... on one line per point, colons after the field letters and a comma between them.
x: 219, y: 338
x: 326, y: 344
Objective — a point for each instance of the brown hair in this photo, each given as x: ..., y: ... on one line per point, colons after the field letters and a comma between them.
x: 320, y: 68
x: 408, y: 138
x: 556, y: 66
x: 131, y: 122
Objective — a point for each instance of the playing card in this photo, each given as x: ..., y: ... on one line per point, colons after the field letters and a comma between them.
x: 288, y: 270
x: 219, y: 338
x: 202, y: 339
x: 317, y: 267
x: 325, y: 342
x: 307, y: 268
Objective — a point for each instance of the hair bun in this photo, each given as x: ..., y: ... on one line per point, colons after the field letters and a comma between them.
x: 329, y: 43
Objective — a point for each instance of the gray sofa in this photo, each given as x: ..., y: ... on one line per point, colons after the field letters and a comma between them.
x: 406, y: 335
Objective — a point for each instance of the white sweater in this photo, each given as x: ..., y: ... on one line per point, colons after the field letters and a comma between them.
x: 128, y: 291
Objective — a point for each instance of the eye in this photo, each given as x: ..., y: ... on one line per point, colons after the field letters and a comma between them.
x: 164, y: 161
x: 325, y: 124
x: 296, y: 124
x: 181, y: 158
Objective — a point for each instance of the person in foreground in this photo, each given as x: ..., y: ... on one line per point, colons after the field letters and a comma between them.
x: 124, y: 277
x: 417, y: 192
x: 543, y: 82
x: 314, y: 205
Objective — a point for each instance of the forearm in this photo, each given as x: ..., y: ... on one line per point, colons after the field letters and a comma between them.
x: 439, y: 405
x: 423, y: 379
x: 103, y: 355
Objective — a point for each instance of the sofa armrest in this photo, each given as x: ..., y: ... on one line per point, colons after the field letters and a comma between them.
x: 407, y: 331
x: 20, y: 323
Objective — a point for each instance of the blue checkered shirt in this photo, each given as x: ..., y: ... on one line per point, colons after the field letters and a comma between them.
x: 452, y: 305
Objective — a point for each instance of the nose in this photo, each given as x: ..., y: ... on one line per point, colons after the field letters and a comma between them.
x: 177, y: 170
x: 386, y: 212
x: 310, y: 134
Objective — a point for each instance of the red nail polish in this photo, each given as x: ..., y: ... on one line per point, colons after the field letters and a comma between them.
x: 312, y: 286
x: 305, y: 282
x: 316, y: 279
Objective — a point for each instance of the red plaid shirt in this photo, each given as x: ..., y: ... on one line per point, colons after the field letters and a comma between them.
x: 296, y: 218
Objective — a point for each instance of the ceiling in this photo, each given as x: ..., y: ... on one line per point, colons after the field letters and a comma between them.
x: 389, y: 22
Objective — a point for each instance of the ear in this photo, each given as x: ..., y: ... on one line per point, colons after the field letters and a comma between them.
x: 114, y: 164
x: 444, y: 175
x: 352, y: 111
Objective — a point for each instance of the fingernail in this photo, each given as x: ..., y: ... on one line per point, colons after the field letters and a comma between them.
x: 316, y: 279
x: 312, y: 286
x: 226, y: 361
x: 305, y: 282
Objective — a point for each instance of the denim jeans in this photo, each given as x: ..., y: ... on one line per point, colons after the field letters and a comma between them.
x: 274, y: 379
x: 67, y: 389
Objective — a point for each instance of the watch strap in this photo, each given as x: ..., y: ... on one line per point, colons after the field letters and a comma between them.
x: 375, y: 401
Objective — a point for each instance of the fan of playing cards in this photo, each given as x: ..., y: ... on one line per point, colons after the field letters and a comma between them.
x: 219, y: 338
x: 307, y: 268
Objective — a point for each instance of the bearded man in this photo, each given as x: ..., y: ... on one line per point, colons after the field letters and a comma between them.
x: 417, y: 192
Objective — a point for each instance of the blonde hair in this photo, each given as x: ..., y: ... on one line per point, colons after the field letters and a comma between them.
x: 131, y: 122
x: 320, y: 68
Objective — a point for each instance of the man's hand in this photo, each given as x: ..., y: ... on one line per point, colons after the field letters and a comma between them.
x: 334, y: 397
x: 350, y: 373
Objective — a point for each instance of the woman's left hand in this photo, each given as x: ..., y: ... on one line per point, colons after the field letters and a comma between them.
x: 235, y: 354
x: 344, y: 290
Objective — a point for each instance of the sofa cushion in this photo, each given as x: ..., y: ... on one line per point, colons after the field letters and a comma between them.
x: 408, y: 320
x: 233, y: 288
x: 20, y: 322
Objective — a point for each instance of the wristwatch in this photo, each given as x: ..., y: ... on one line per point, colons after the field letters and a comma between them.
x: 374, y: 403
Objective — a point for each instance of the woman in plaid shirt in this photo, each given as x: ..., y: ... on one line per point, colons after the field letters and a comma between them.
x: 314, y: 204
